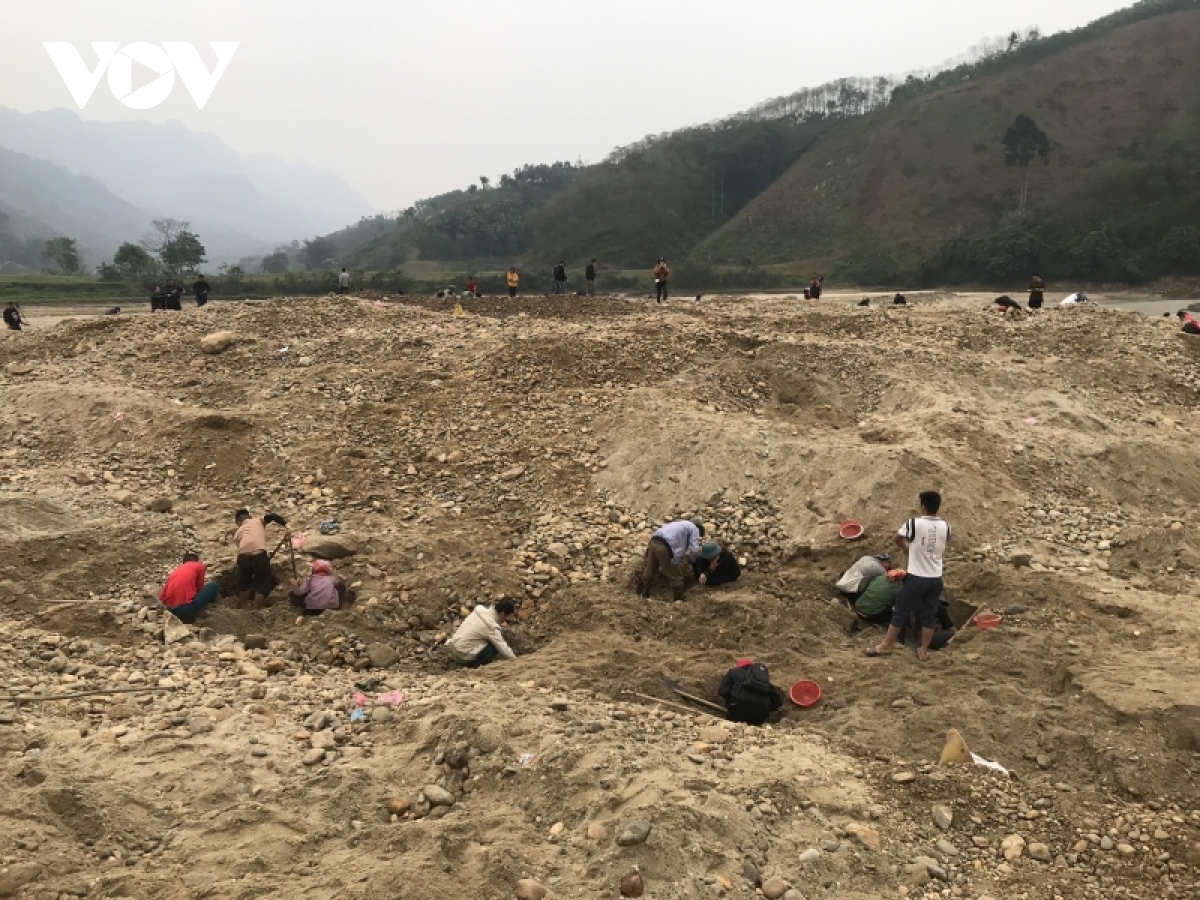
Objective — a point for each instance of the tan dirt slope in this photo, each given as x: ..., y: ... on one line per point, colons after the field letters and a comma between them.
x: 526, y: 450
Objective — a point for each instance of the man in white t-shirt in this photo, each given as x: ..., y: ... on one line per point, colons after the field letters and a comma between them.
x: 925, y: 540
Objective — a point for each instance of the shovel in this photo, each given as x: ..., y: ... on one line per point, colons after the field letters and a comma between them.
x: 674, y: 688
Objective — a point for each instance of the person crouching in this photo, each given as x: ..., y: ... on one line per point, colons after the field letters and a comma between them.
x: 479, y: 640
x: 716, y: 566
x: 668, y: 548
x: 748, y: 693
x: 184, y: 594
x: 319, y: 591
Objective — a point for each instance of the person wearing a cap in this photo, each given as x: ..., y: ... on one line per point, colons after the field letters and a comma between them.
x: 319, y: 591
x: 856, y: 578
x: 668, y: 548
x: 748, y: 693
x: 715, y: 565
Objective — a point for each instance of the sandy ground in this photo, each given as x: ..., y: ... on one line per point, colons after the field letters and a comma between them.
x: 526, y: 450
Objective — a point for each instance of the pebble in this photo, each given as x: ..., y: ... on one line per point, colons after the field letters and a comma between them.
x: 312, y: 757
x: 528, y: 889
x: 811, y: 855
x: 1040, y: 852
x: 943, y: 817
x: 632, y: 885
x: 904, y: 777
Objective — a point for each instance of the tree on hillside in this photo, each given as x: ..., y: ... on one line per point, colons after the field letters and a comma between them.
x: 132, y: 261
x: 1023, y: 143
x: 63, y: 253
x: 317, y: 252
x: 275, y: 263
x: 184, y: 252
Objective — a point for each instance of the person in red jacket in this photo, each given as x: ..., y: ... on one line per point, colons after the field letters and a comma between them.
x: 185, y: 592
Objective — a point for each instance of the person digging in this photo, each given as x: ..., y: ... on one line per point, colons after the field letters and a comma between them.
x: 669, y: 547
x: 255, y: 580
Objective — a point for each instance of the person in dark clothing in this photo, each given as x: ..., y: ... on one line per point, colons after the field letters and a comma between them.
x: 158, y: 299
x: 560, y: 278
x: 814, y: 287
x: 715, y: 565
x: 200, y: 289
x: 590, y: 275
x: 748, y: 693
x: 661, y: 273
x: 174, y: 295
x: 1037, y: 291
x: 12, y: 317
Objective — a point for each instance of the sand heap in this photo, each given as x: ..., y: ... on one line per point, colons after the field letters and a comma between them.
x: 526, y: 450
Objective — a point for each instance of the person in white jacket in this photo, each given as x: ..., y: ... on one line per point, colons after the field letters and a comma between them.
x: 855, y: 579
x: 479, y: 639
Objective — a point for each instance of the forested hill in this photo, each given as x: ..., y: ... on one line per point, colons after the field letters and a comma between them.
x: 1076, y: 153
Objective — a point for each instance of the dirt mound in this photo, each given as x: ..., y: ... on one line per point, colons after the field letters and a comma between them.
x: 527, y: 450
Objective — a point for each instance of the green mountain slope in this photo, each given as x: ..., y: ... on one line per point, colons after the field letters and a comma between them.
x: 923, y: 188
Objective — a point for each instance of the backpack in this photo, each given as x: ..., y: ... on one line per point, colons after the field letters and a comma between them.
x: 753, y: 688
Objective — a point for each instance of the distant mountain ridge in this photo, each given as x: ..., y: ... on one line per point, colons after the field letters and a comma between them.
x: 239, y: 204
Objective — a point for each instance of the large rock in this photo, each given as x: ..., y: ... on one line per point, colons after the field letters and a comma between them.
x: 382, y: 655
x: 489, y: 737
x: 943, y: 816
x: 338, y: 547
x: 774, y: 888
x: 161, y: 505
x: 866, y: 836
x: 528, y: 889
x: 14, y: 878
x: 174, y: 630
x: 217, y: 342
x: 635, y: 833
x: 437, y: 796
x: 18, y: 368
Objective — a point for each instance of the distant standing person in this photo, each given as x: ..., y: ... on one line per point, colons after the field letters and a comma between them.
x: 920, y: 592
x: 158, y: 299
x: 1037, y: 291
x: 590, y: 275
x: 814, y: 286
x: 200, y: 289
x: 344, y: 282
x: 560, y: 278
x: 12, y: 317
x: 174, y: 295
x: 513, y: 280
x: 472, y: 287
x: 661, y: 273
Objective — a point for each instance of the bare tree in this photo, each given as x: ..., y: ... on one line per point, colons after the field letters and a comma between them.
x: 165, y: 232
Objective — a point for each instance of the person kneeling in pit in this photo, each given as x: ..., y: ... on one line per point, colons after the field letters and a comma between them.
x: 479, y: 639
x: 184, y: 594
x: 865, y: 570
x: 748, y: 693
x: 319, y: 591
x: 716, y: 566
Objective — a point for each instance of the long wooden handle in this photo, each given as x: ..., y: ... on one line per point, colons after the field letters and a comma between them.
x: 702, y: 702
x: 678, y: 706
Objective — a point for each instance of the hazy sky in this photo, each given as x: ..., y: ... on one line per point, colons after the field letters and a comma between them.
x: 405, y: 99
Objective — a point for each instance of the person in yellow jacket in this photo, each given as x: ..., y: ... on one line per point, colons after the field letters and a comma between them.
x: 513, y: 280
x: 661, y: 274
